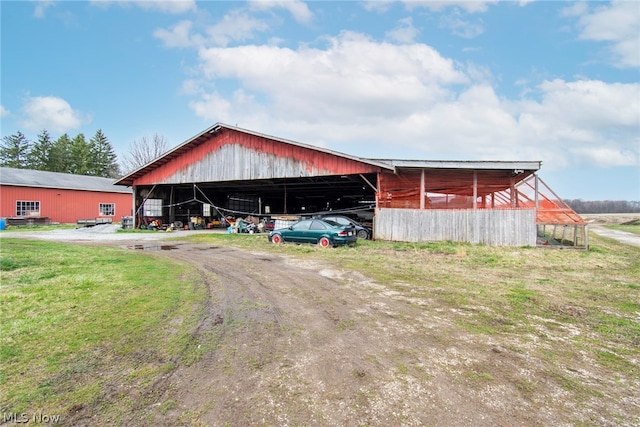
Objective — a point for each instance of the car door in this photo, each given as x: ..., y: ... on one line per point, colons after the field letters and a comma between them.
x: 316, y: 231
x: 299, y: 232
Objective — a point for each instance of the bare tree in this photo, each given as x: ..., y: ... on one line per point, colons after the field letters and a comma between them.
x: 143, y: 151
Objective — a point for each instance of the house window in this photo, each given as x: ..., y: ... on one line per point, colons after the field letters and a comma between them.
x: 27, y: 208
x: 107, y: 209
x: 153, y: 207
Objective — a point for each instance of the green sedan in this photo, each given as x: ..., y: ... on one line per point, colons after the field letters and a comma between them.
x: 324, y: 233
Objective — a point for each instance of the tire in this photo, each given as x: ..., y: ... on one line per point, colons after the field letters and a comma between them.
x: 276, y: 239
x: 324, y: 242
x: 362, y: 234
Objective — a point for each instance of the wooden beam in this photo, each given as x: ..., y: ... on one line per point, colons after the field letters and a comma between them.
x: 475, y: 190
x: 422, y: 190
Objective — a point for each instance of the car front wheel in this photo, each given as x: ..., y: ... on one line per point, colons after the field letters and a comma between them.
x: 324, y: 242
x: 276, y: 239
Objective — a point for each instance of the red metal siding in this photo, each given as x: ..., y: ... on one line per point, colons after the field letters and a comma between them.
x: 64, y: 206
x: 309, y: 158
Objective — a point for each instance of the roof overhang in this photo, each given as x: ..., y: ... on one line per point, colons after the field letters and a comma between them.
x: 471, y: 164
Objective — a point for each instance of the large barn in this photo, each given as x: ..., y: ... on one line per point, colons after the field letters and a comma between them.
x: 32, y: 196
x: 226, y: 170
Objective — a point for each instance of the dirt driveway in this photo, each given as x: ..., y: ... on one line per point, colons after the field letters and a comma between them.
x: 292, y: 342
x: 289, y: 342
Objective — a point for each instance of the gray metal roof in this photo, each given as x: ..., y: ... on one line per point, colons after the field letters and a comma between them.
x: 463, y: 164
x: 44, y: 179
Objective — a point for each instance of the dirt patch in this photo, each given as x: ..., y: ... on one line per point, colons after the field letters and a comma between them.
x: 293, y: 342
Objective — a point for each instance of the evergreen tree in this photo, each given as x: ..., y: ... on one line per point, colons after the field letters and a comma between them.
x: 14, y: 151
x: 103, y: 157
x: 59, y: 156
x: 40, y: 153
x: 80, y: 154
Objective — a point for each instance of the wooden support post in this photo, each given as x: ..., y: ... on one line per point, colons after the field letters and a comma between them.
x: 475, y: 190
x: 586, y: 236
x: 422, y: 187
x: 512, y: 193
x: 536, y: 190
x: 172, y: 208
x: 134, y: 211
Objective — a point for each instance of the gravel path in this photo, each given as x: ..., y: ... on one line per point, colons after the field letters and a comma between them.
x: 620, y: 236
x: 100, y: 233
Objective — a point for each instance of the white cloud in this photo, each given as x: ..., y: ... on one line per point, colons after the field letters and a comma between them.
x: 164, y: 6
x: 470, y: 6
x: 611, y: 155
x: 298, y: 9
x: 235, y: 26
x: 583, y: 122
x: 355, y: 93
x: 459, y: 26
x: 380, y: 6
x: 41, y: 7
x: 51, y: 113
x: 179, y: 35
x: 618, y: 24
x: 590, y: 104
x: 405, y: 32
x: 4, y: 112
x: 213, y: 106
x: 575, y: 9
x: 352, y: 74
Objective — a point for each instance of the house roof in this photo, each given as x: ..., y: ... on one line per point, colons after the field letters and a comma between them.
x: 44, y: 179
x: 206, y: 134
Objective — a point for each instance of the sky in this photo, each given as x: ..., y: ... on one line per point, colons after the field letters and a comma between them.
x: 557, y: 82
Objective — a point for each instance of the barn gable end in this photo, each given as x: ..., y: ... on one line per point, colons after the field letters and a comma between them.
x: 225, y: 153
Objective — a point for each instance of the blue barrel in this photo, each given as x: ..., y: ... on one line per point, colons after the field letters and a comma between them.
x: 3, y: 224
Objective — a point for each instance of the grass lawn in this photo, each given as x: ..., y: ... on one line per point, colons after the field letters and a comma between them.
x: 81, y: 325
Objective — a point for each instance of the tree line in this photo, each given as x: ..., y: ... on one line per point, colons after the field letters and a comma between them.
x: 77, y: 155
x: 603, y: 206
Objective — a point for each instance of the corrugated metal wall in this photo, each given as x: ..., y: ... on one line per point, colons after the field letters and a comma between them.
x: 500, y: 227
x: 64, y: 206
x: 238, y: 156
